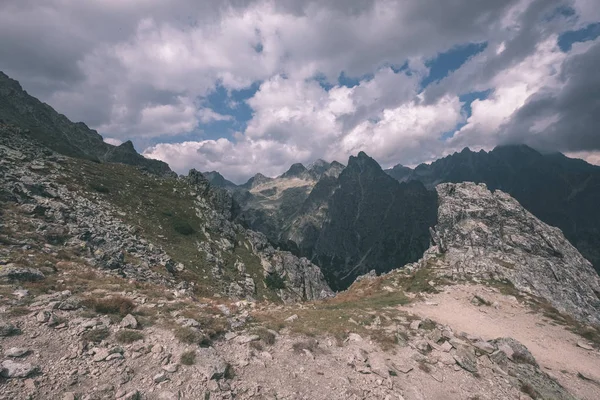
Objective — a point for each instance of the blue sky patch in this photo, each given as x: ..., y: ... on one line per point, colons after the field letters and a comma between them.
x: 449, y: 61
x: 590, y: 32
x: 467, y: 99
x: 231, y: 103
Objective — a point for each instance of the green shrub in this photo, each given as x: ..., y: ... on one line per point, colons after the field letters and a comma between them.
x: 265, y: 335
x: 95, y: 335
x: 191, y: 336
x: 183, y: 227
x: 111, y: 305
x: 99, y: 187
x: 274, y: 281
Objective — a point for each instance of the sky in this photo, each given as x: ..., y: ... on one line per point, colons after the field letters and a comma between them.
x: 245, y: 86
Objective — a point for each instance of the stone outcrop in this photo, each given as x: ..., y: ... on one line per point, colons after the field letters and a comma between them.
x: 489, y: 236
x: 560, y: 191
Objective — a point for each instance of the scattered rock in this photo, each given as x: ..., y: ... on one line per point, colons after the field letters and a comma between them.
x: 129, y: 322
x: 12, y: 273
x: 466, y: 359
x: 485, y: 347
x: 16, y: 352
x: 415, y: 324
x: 291, y: 318
x: 12, y: 369
x: 8, y: 329
x: 584, y: 345
x: 171, y: 368
x: 160, y: 377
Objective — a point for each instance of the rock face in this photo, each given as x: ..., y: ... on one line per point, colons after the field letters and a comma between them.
x: 42, y: 123
x: 561, y: 191
x: 121, y: 237
x: 346, y: 220
x: 373, y: 223
x: 488, y: 235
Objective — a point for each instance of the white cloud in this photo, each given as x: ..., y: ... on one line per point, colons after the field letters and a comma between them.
x: 113, y: 141
x: 593, y: 157
x: 299, y: 121
x: 141, y: 69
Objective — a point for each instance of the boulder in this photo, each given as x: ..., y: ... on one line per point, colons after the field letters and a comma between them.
x: 13, y: 273
x: 12, y: 369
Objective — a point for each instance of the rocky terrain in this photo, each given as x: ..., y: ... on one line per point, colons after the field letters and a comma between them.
x: 41, y: 122
x: 121, y: 282
x: 561, y: 191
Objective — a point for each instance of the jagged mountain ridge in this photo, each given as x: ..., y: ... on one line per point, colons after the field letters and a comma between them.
x: 347, y: 220
x: 489, y: 236
x: 42, y: 123
x: 561, y: 191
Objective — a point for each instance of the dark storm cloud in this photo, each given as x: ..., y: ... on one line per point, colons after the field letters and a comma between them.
x: 535, y: 24
x: 573, y: 111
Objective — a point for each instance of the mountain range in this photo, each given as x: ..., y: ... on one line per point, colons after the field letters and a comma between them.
x: 114, y: 269
x: 354, y: 219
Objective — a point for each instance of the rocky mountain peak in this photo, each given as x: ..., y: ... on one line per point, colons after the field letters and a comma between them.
x: 295, y: 171
x: 43, y: 124
x: 486, y: 235
x: 127, y: 145
x: 362, y: 161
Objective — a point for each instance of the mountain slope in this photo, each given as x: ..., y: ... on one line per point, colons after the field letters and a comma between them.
x: 560, y: 191
x: 373, y: 223
x: 42, y: 123
x: 106, y: 210
x: 482, y: 235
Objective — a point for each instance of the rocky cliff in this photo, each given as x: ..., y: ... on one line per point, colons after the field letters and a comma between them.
x: 560, y: 191
x: 372, y: 223
x: 42, y: 123
x: 346, y: 220
x: 486, y: 235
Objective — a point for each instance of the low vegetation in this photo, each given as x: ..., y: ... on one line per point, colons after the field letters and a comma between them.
x: 95, y: 335
x: 127, y: 336
x: 311, y: 345
x: 188, y: 358
x: 117, y: 305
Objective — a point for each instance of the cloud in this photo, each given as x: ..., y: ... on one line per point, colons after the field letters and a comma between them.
x: 113, y: 141
x: 564, y: 115
x: 300, y: 121
x: 144, y: 70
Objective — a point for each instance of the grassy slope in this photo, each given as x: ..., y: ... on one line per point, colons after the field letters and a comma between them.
x: 158, y: 208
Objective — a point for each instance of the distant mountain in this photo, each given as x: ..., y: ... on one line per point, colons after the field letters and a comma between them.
x: 43, y: 124
x: 348, y: 220
x: 373, y: 223
x: 561, y: 191
x: 217, y: 180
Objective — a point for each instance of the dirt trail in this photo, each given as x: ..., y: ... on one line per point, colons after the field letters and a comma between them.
x: 554, y: 347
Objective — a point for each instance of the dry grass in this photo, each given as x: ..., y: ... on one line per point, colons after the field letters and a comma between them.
x: 523, y: 358
x: 188, y: 358
x: 256, y: 345
x: 116, y: 305
x: 127, y: 336
x: 95, y: 335
x: 265, y: 335
x: 191, y: 336
x: 311, y: 345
